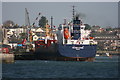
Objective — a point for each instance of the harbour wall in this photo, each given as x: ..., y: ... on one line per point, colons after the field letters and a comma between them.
x: 7, y: 58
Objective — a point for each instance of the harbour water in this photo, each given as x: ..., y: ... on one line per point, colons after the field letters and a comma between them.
x: 102, y: 67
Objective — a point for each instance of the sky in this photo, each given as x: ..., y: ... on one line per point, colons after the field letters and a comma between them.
x: 95, y: 13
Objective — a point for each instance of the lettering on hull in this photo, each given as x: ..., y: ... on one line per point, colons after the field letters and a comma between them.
x: 77, y: 48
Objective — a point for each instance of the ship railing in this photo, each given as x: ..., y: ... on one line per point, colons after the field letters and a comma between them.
x: 81, y: 42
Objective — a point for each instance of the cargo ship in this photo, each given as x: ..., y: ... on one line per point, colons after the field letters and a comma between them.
x: 46, y: 47
x: 73, y: 43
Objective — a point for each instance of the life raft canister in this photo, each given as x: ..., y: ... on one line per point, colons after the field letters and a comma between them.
x: 66, y: 33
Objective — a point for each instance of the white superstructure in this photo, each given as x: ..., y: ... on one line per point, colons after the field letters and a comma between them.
x: 84, y: 39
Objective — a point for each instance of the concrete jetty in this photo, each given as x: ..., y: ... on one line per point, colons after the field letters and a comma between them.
x: 7, y: 58
x: 112, y: 52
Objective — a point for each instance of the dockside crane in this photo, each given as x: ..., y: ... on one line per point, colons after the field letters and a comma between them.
x: 27, y: 20
x: 36, y: 19
x: 27, y: 24
x: 27, y: 43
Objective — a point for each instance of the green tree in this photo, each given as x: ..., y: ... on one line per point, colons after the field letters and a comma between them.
x: 87, y: 27
x: 42, y: 22
x: 109, y: 29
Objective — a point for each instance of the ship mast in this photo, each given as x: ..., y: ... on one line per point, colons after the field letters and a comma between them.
x: 73, y: 11
x: 47, y: 29
x: 51, y: 22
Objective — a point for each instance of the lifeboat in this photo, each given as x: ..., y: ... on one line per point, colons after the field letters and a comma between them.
x: 66, y: 33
